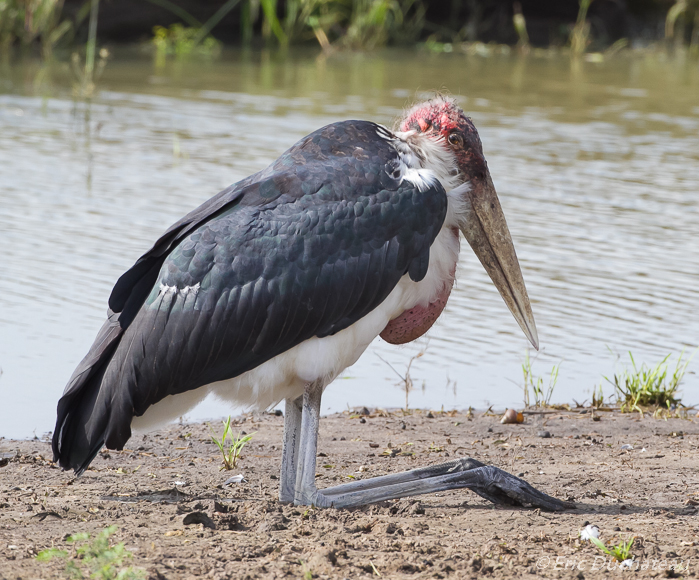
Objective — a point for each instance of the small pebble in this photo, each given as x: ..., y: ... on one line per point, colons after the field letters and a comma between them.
x: 544, y: 434
x: 362, y: 420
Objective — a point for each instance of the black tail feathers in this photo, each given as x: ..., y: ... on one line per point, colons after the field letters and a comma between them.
x: 82, y: 421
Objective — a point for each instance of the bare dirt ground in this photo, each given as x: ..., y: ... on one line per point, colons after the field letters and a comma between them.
x: 171, y: 477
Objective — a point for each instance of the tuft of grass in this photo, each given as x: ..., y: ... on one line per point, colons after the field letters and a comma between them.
x: 183, y: 41
x: 646, y: 386
x: 598, y: 397
x: 232, y: 454
x: 540, y: 394
x: 620, y: 552
x: 97, y: 558
x: 29, y: 21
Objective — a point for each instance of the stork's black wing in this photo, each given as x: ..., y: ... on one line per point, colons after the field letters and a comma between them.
x: 304, y: 248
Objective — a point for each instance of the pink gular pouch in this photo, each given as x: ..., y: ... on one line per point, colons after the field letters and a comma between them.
x: 413, y: 323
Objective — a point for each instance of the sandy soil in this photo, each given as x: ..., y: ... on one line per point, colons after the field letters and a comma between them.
x: 172, y: 476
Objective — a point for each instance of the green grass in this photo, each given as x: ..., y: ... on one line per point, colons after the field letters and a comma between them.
x: 620, y: 552
x: 534, y: 389
x: 183, y: 41
x: 355, y: 24
x: 648, y: 386
x: 94, y: 559
x: 232, y: 453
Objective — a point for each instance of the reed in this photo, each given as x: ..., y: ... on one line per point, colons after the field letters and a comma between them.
x: 353, y: 24
x: 27, y: 23
x: 579, y: 37
x: 686, y: 12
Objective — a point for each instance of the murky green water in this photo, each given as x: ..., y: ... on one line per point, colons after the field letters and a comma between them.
x: 597, y: 169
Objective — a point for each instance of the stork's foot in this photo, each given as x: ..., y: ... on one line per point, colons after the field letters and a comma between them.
x: 503, y: 488
x: 489, y: 482
x: 299, y: 465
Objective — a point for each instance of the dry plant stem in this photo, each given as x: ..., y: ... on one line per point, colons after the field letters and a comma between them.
x: 581, y: 30
x: 406, y: 379
x: 91, y: 43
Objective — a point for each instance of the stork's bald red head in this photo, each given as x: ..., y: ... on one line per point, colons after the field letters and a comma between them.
x: 479, y: 215
x: 443, y: 119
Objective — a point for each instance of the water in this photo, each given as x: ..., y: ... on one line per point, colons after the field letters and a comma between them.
x: 597, y: 168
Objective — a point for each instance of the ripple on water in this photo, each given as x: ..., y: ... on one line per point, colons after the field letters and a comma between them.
x: 601, y: 202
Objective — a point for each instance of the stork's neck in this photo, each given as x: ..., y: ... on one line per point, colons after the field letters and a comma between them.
x: 429, y: 151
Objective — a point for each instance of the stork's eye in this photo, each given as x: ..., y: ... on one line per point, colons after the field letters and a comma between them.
x: 455, y: 139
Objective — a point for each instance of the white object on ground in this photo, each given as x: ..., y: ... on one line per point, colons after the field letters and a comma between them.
x: 589, y: 531
x: 626, y: 447
x: 235, y: 479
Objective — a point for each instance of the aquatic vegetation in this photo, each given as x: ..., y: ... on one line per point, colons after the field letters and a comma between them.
x: 645, y: 386
x: 232, y: 454
x: 354, y: 24
x: 29, y: 22
x: 688, y: 12
x: 96, y: 558
x: 182, y: 41
x: 541, y: 395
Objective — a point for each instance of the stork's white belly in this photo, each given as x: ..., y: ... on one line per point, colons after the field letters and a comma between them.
x: 285, y: 375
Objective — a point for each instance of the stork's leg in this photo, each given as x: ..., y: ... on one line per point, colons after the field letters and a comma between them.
x: 292, y: 433
x: 489, y: 482
x: 306, y: 468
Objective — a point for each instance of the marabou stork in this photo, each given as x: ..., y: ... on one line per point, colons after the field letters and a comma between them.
x: 274, y: 286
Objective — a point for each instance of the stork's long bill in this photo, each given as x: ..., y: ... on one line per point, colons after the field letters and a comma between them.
x: 478, y: 212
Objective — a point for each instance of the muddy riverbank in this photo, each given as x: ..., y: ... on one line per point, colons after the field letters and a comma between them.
x: 172, y: 476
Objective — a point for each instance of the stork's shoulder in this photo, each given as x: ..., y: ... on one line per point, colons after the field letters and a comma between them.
x: 362, y: 140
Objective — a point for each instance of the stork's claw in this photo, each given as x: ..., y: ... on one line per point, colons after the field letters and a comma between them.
x: 500, y: 487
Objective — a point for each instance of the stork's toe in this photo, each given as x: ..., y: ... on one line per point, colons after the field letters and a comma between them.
x: 501, y: 487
